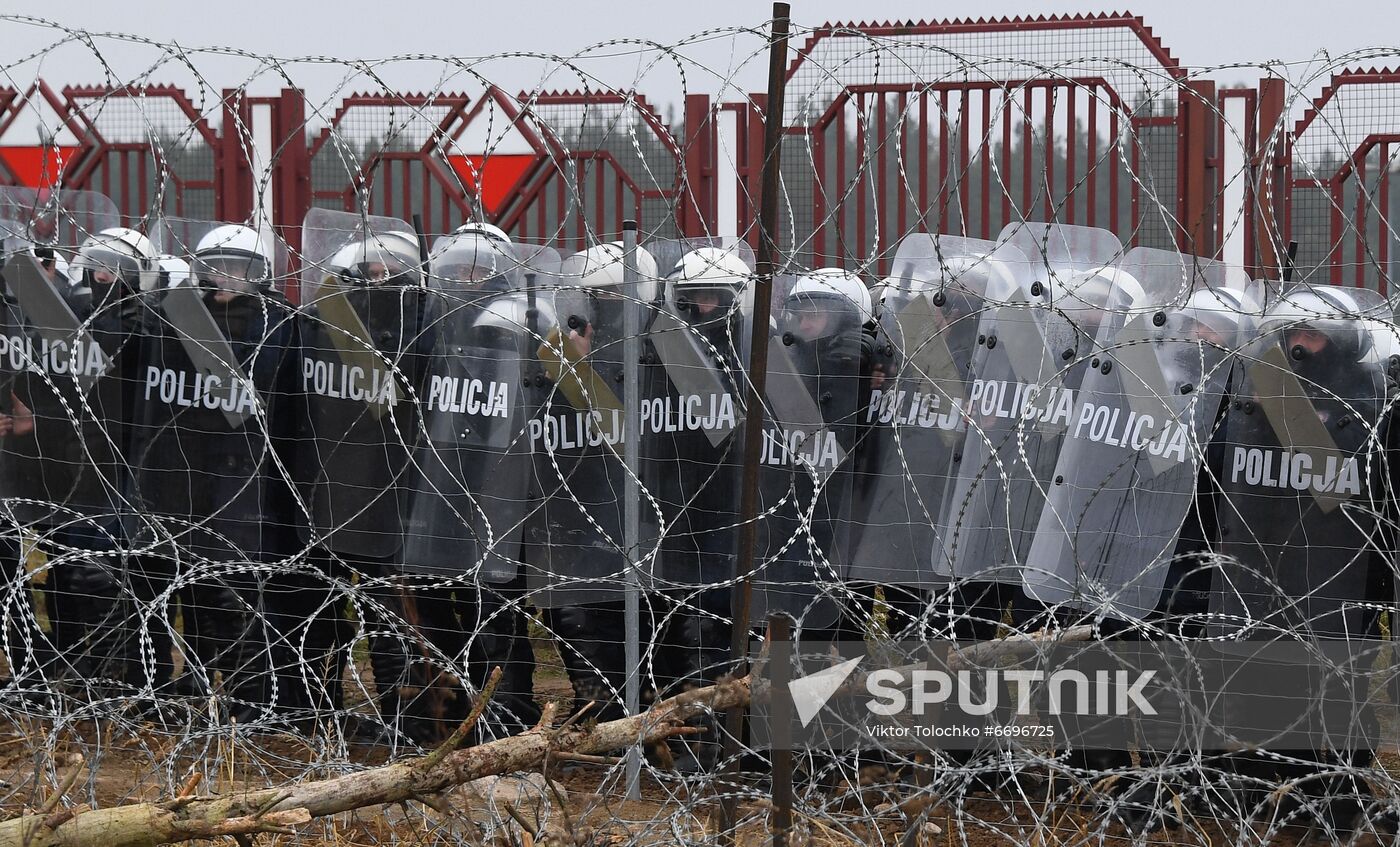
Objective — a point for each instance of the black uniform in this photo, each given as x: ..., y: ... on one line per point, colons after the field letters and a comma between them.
x: 213, y: 453
x: 64, y: 479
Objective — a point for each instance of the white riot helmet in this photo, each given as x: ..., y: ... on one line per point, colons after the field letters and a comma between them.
x: 591, y: 286
x: 1225, y: 317
x: 601, y: 267
x: 484, y: 229
x: 706, y: 282
x: 1385, y: 341
x: 1303, y: 314
x: 502, y: 322
x: 826, y: 302
x: 233, y: 258
x: 174, y: 271
x: 471, y: 257
x: 1109, y: 288
x: 379, y: 258
x: 116, y: 258
x: 1087, y: 297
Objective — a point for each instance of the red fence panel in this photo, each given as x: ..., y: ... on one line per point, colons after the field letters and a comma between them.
x: 610, y: 158
x: 156, y: 151
x: 955, y: 127
x: 1341, y: 158
x: 962, y: 126
x: 149, y: 148
x: 385, y: 153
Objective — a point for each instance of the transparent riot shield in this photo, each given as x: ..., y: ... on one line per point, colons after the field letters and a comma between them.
x: 576, y: 533
x: 1033, y: 347
x: 472, y: 492
x: 538, y: 260
x: 912, y: 422
x: 1126, y: 478
x: 53, y: 220
x: 691, y: 412
x: 1054, y: 251
x: 805, y: 474
x: 1303, y: 473
x: 216, y: 411
x: 366, y: 349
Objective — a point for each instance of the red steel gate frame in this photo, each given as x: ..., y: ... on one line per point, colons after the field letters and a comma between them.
x: 571, y: 193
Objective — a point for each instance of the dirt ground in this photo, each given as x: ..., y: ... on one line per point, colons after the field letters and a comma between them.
x: 125, y: 767
x: 130, y: 761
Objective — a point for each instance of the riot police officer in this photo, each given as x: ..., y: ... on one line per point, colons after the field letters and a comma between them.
x: 578, y: 559
x: 365, y: 358
x: 1304, y: 556
x: 462, y: 592
x: 213, y: 454
x: 64, y: 455
x: 914, y: 421
x: 691, y: 455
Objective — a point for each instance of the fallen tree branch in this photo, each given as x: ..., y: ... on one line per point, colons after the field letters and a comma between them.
x: 277, y: 809
x: 274, y: 810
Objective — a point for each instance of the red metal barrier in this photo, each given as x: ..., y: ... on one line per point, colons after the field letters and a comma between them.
x: 891, y: 128
x: 892, y: 131
x: 149, y: 148
x: 1341, y: 159
x: 610, y: 158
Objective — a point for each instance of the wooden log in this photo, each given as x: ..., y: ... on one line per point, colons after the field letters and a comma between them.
x: 275, y: 810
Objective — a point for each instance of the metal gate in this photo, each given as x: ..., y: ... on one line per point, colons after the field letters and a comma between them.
x: 1342, y: 153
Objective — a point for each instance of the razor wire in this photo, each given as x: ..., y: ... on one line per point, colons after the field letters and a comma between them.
x: 1017, y: 226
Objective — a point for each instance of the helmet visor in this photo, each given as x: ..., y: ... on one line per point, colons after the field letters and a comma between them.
x: 809, y: 317
x: 704, y: 303
x: 104, y: 266
x: 238, y: 272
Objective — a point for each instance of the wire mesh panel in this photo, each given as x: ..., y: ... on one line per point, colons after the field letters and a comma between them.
x: 386, y: 150
x: 157, y: 150
x: 611, y: 159
x: 963, y: 127
x: 1343, y: 153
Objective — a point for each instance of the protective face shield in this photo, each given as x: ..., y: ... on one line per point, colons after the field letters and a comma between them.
x: 825, y: 303
x: 706, y: 283
x: 469, y: 258
x: 1321, y: 323
x: 114, y: 260
x: 385, y: 259
x: 598, y: 275
x: 1222, y: 317
x: 231, y: 260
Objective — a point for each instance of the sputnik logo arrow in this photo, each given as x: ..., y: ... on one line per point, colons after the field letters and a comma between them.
x: 810, y: 693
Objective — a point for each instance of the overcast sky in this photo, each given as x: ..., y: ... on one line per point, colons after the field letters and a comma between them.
x: 1199, y: 32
